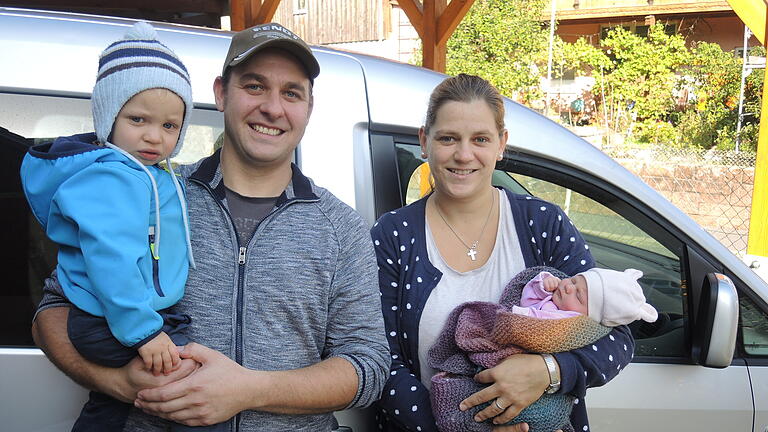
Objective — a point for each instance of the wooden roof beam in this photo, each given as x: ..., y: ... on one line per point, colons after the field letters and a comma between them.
x: 415, y: 13
x: 575, y: 15
x: 435, y: 21
x: 451, y: 18
x: 265, y: 13
x: 248, y: 13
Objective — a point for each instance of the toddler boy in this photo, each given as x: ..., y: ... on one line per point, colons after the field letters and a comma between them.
x: 114, y: 213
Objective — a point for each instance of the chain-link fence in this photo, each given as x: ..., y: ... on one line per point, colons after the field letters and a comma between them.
x: 713, y: 187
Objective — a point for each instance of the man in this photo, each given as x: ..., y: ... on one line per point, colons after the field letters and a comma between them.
x: 284, y: 300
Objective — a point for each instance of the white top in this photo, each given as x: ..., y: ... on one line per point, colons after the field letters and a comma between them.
x: 482, y: 284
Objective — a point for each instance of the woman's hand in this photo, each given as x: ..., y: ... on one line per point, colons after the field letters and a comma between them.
x: 515, y: 383
x: 521, y: 427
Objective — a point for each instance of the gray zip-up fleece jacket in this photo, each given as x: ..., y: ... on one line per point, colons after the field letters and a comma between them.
x: 304, y: 288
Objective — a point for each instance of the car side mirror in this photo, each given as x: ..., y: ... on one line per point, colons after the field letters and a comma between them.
x: 714, y: 332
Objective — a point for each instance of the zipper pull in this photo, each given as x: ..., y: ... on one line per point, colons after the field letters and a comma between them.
x: 241, y: 256
x: 152, y: 242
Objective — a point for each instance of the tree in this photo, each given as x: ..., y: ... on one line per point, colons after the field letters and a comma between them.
x: 503, y: 41
x: 643, y: 70
x: 580, y: 56
x: 711, y: 119
x: 639, y: 79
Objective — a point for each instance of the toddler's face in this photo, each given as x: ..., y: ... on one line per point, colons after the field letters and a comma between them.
x: 148, y: 125
x: 572, y: 295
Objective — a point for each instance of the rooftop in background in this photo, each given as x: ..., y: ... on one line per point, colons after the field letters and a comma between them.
x: 572, y: 11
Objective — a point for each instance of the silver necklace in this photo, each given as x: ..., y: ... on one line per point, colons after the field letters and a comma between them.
x: 471, y: 250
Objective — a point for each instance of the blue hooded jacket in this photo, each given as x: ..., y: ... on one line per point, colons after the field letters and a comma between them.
x: 98, y: 206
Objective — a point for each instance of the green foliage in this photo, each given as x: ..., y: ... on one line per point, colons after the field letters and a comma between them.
x: 693, y: 130
x: 753, y: 100
x: 655, y: 132
x: 580, y: 56
x: 502, y: 41
x: 645, y: 75
x: 641, y: 82
x: 717, y: 76
x: 711, y: 119
x: 643, y: 70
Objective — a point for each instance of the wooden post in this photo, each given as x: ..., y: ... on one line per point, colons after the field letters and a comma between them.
x: 237, y: 14
x: 266, y: 12
x: 248, y: 13
x: 433, y: 51
x: 451, y: 18
x: 435, y: 21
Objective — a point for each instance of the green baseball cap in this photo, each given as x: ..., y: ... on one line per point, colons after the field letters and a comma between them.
x: 247, y: 42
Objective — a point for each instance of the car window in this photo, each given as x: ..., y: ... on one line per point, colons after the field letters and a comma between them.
x: 414, y: 174
x: 46, y: 117
x: 754, y: 327
x: 619, y: 237
x: 617, y: 243
x: 24, y: 120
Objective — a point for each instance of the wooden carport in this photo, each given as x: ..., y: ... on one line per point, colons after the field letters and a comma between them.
x: 434, y: 21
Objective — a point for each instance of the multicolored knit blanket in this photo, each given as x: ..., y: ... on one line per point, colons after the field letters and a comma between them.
x: 479, y: 335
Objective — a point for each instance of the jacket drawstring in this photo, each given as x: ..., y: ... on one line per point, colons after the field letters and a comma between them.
x: 183, y: 202
x: 156, y: 248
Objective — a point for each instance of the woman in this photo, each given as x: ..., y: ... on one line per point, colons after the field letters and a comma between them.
x: 462, y: 243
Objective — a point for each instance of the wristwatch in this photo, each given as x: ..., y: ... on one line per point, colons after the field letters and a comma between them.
x: 554, y: 374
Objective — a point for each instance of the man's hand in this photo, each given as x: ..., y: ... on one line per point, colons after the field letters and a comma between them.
x: 50, y: 333
x: 133, y: 377
x: 160, y: 355
x: 214, y: 393
x: 516, y: 382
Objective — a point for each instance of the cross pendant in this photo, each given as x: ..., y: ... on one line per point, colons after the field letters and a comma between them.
x: 471, y: 253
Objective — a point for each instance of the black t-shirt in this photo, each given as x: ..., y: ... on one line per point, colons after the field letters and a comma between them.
x: 247, y: 212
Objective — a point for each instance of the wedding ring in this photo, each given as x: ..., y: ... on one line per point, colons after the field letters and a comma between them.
x: 496, y: 402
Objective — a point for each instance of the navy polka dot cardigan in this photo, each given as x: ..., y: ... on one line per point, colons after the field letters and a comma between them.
x: 406, y: 277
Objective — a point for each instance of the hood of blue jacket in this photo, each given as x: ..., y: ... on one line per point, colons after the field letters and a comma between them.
x: 47, y: 166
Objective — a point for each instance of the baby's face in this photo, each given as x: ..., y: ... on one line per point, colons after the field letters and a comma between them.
x: 571, y: 295
x: 149, y: 124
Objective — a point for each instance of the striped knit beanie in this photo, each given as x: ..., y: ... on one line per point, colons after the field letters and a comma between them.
x: 129, y: 66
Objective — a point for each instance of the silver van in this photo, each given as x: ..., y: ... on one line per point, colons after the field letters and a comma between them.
x: 702, y: 367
